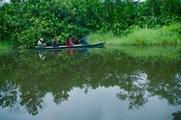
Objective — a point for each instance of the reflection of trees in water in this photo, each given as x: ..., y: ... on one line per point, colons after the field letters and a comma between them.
x: 10, y: 97
x: 8, y: 94
x: 177, y: 115
x: 132, y: 87
x: 60, y: 96
x: 32, y: 100
x: 164, y: 83
x: 59, y: 74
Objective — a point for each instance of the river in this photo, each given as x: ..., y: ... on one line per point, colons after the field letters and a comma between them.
x: 91, y: 84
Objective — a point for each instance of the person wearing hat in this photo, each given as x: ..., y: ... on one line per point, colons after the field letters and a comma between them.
x: 54, y: 42
x: 41, y: 43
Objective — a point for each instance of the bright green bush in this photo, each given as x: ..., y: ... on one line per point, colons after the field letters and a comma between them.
x: 166, y: 35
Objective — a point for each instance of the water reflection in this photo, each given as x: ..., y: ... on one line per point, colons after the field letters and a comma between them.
x: 26, y: 78
x: 177, y: 115
x: 42, y: 55
x: 67, y: 52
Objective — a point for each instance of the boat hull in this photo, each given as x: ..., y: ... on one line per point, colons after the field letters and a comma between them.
x: 94, y: 45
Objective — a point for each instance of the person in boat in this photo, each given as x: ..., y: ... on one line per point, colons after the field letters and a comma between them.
x: 41, y: 43
x: 76, y: 41
x: 83, y: 41
x: 54, y: 42
x: 69, y: 42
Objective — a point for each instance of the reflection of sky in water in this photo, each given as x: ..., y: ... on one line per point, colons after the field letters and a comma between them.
x: 97, y: 104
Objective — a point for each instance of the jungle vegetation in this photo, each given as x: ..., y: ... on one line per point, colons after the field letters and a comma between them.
x: 22, y: 22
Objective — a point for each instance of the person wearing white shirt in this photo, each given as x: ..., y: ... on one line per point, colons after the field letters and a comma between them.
x: 41, y: 43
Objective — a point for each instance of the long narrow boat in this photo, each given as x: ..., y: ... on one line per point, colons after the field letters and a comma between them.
x: 94, y: 45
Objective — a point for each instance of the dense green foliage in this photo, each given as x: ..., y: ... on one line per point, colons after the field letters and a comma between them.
x: 23, y: 22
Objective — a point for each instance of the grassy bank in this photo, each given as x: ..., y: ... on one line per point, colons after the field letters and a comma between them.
x: 5, y: 48
x: 166, y: 35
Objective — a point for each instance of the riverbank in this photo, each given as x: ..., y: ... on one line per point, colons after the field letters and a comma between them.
x: 165, y: 35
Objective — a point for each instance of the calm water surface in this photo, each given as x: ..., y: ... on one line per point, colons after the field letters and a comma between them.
x: 94, y: 84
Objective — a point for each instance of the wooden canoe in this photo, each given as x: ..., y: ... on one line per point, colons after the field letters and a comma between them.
x: 94, y: 45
